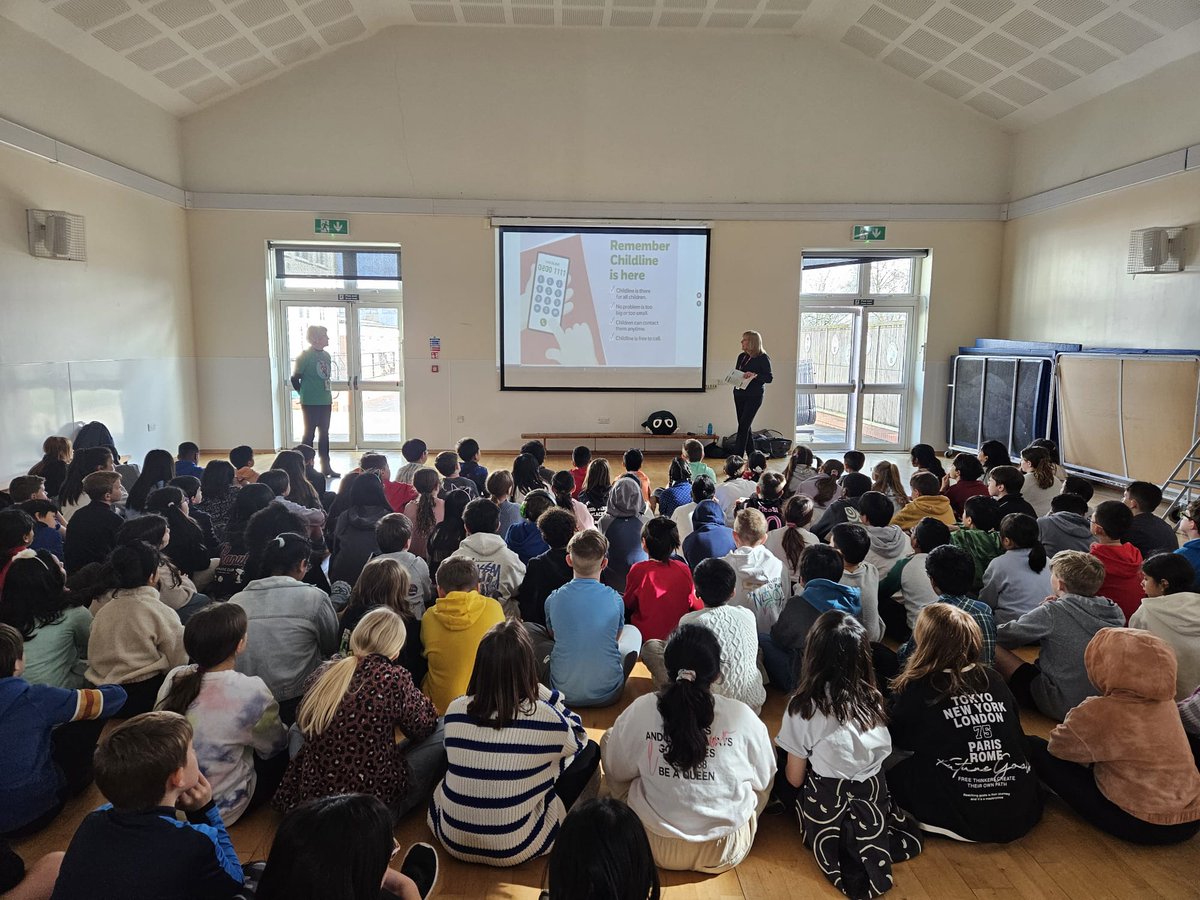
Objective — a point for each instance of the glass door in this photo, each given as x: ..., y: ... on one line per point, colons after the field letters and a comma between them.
x: 379, y: 381
x: 827, y: 376
x: 852, y: 377
x: 367, y: 370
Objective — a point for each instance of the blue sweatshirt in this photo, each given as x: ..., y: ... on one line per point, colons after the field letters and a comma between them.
x: 525, y: 540
x: 150, y: 855
x: 711, y: 538
x: 30, y: 783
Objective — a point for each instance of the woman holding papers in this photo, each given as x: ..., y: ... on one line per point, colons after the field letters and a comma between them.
x: 755, y: 367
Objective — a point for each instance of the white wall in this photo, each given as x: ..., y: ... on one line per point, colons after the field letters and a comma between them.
x: 109, y: 339
x: 597, y: 115
x: 449, y: 291
x: 1064, y: 271
x: 1140, y: 120
x: 50, y: 92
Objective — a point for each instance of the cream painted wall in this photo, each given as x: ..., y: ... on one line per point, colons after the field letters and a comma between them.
x: 1140, y: 120
x: 1064, y: 271
x: 597, y: 115
x: 449, y: 291
x: 49, y: 91
x: 109, y: 339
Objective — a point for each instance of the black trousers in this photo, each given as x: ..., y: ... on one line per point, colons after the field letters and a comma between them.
x: 570, y: 783
x: 317, y: 417
x: 141, y: 696
x: 746, y: 404
x: 1076, y: 786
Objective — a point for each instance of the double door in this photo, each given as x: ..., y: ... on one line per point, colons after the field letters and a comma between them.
x: 854, y: 375
x: 367, y: 369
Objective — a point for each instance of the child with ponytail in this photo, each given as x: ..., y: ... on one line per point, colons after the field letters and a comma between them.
x: 292, y: 625
x: 563, y: 486
x: 885, y: 479
x: 174, y: 588
x: 1018, y: 580
x: 788, y: 542
x: 186, y: 547
x: 695, y: 767
x: 426, y: 511
x: 1040, y: 484
x: 236, y: 729
x: 800, y: 468
x: 349, y: 718
x: 834, y: 737
x: 136, y: 638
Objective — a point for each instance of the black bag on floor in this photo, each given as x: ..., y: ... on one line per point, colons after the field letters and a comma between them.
x: 772, y: 443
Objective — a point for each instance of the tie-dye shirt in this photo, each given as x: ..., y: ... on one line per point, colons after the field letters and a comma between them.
x: 234, y: 717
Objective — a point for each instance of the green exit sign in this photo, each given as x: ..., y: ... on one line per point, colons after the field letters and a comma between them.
x: 331, y: 226
x: 869, y: 232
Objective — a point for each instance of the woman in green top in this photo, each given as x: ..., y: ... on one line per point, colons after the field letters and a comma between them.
x: 310, y: 378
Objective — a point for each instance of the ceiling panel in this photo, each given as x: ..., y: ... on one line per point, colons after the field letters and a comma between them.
x: 1018, y: 61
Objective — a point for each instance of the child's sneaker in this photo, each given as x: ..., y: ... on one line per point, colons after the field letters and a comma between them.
x: 421, y: 865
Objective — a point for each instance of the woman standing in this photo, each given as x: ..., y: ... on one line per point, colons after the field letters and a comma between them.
x: 755, y: 366
x: 310, y: 378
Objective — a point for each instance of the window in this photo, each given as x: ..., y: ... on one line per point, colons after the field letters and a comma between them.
x: 316, y: 268
x: 874, y: 274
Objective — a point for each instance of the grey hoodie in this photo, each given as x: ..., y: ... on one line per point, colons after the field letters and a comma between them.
x: 889, y: 544
x: 1064, y: 626
x: 625, y: 501
x: 1065, y: 531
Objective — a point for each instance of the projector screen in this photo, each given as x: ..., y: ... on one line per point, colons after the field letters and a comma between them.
x: 602, y: 309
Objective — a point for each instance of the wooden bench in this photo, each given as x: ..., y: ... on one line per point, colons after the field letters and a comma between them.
x: 594, y: 437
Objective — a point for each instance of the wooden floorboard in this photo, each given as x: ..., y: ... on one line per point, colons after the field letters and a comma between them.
x: 1063, y: 857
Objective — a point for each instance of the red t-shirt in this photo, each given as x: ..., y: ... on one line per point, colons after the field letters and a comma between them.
x: 658, y: 595
x: 578, y: 474
x: 960, y: 492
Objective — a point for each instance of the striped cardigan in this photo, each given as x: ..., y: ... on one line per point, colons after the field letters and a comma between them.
x: 497, y: 804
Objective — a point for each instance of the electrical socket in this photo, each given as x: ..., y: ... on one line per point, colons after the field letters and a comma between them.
x: 150, y: 426
x: 461, y: 419
x: 603, y: 421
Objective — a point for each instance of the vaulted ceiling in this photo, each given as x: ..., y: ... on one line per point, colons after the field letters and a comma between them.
x: 1015, y: 61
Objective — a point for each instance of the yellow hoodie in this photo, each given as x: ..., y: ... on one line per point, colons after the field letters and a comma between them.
x: 934, y: 505
x: 451, y: 632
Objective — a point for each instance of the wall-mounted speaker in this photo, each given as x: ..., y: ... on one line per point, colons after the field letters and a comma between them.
x: 1153, y: 250
x: 54, y: 234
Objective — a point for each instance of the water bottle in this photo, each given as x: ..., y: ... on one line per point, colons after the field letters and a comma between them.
x: 709, y: 432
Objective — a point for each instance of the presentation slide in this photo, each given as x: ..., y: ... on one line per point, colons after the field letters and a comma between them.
x: 614, y: 309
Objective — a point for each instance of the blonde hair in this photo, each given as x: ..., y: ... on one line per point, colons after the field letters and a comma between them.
x: 948, y: 646
x: 756, y: 344
x: 751, y: 526
x: 1080, y: 573
x: 381, y: 631
x: 383, y: 582
x: 315, y: 331
x: 886, y: 476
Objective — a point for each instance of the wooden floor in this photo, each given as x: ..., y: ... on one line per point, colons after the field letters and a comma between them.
x: 1062, y: 857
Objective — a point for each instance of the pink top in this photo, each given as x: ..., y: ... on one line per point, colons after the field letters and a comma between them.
x: 420, y: 539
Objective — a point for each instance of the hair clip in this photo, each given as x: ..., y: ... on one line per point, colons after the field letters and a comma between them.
x: 685, y: 675
x: 280, y: 541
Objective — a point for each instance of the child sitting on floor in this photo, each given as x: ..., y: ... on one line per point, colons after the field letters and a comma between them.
x: 469, y: 467
x: 238, y: 735
x: 1122, y: 562
x: 1067, y: 526
x: 500, y: 570
x: 524, y: 539
x: 549, y: 571
x: 949, y: 570
x: 659, y: 590
x: 926, y: 501
x: 1017, y: 581
x: 1171, y: 611
x: 708, y: 537
x: 1005, y: 483
x: 835, y: 739
x: 788, y: 542
x: 979, y: 535
x: 889, y: 543
x: 989, y: 803
x: 1057, y: 681
x: 581, y: 456
x: 767, y: 499
x: 964, y: 481
x: 853, y: 543
x: 518, y: 758
x: 591, y: 649
x: 693, y: 451
x: 47, y: 735
x: 452, y: 629
x: 1121, y: 760
x: 909, y: 578
x: 135, y: 847
x: 760, y: 575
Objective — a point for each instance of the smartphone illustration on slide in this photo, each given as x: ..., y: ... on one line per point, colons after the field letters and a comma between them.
x: 548, y: 292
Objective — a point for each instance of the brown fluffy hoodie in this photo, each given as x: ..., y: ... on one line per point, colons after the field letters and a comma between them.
x: 1132, y: 733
